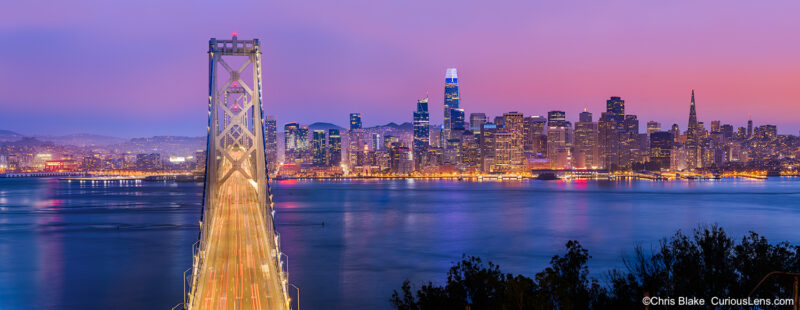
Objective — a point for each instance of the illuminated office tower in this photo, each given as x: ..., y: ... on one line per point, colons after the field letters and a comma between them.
x: 488, y: 132
x: 661, y: 143
x: 500, y: 122
x: 608, y: 141
x: 653, y: 126
x: 615, y: 107
x: 515, y: 126
x: 334, y: 148
x: 355, y: 121
x: 503, y: 151
x: 556, y: 119
x: 318, y: 148
x: 291, y: 134
x: 271, y: 142
x: 534, y: 138
x: 631, y: 150
x: 375, y: 141
x: 304, y: 144
x: 470, y: 154
x: 451, y: 101
x: 421, y: 132
x: 715, y: 126
x: 749, y: 127
x: 558, y: 146
x: 585, y: 154
x: 693, y: 158
x: 676, y: 132
x: 355, y: 141
x: 476, y: 121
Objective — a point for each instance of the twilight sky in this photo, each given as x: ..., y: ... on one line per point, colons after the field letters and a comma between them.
x: 139, y: 68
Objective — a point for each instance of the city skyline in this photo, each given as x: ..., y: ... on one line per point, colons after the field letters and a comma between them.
x: 528, y: 57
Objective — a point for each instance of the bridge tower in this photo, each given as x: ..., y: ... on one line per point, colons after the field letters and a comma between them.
x: 237, y: 261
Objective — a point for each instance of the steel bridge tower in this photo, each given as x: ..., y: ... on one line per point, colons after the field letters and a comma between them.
x: 237, y: 262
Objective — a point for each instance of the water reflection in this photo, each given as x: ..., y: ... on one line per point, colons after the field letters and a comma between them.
x: 125, y: 244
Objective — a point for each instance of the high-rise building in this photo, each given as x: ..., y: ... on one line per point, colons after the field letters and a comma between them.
x: 355, y: 121
x: 556, y: 118
x: 421, y: 132
x: 653, y: 126
x: 476, y: 121
x: 292, y: 144
x: 318, y: 148
x: 535, y: 140
x: 586, y: 150
x: 558, y: 140
x: 271, y: 139
x: 515, y: 126
x: 451, y: 101
x: 749, y: 127
x: 676, y: 132
x: 661, y: 143
x: 693, y: 160
x: 356, y: 139
x: 631, y: 150
x: 334, y: 147
x: 488, y: 132
x: 615, y: 107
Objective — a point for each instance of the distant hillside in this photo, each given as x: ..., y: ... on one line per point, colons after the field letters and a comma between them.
x: 9, y: 136
x: 393, y: 125
x: 83, y: 139
x: 323, y: 126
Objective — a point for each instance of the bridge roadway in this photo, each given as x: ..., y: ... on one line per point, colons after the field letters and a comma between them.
x: 238, y: 269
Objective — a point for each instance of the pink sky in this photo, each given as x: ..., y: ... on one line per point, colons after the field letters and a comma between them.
x: 140, y: 68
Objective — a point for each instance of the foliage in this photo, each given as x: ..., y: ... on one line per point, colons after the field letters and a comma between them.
x: 706, y: 263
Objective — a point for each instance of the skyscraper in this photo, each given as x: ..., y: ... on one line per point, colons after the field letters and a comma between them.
x: 318, y: 148
x: 749, y: 127
x: 476, y: 121
x: 556, y: 118
x: 535, y: 140
x: 451, y: 101
x: 585, y: 154
x: 421, y: 132
x: 355, y: 121
x: 615, y: 107
x: 515, y: 126
x: 291, y: 135
x: 661, y: 149
x: 334, y: 147
x: 692, y: 143
x: 653, y: 126
x: 271, y: 139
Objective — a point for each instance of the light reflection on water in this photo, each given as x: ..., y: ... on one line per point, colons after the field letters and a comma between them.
x: 125, y: 244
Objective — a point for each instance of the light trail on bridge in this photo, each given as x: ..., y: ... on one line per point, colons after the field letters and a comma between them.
x: 239, y: 269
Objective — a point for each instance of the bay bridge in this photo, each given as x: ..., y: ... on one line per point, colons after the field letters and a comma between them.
x: 237, y: 262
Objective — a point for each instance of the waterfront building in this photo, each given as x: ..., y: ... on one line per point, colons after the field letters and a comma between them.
x: 292, y: 144
x: 488, y: 133
x: 693, y: 152
x: 661, y: 144
x: 318, y: 149
x: 421, y: 134
x: 334, y: 148
x: 558, y: 143
x: 534, y: 137
x: 514, y: 122
x: 271, y: 142
x: 586, y: 149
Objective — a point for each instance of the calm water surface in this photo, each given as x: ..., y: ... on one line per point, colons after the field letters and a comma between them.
x: 125, y: 245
